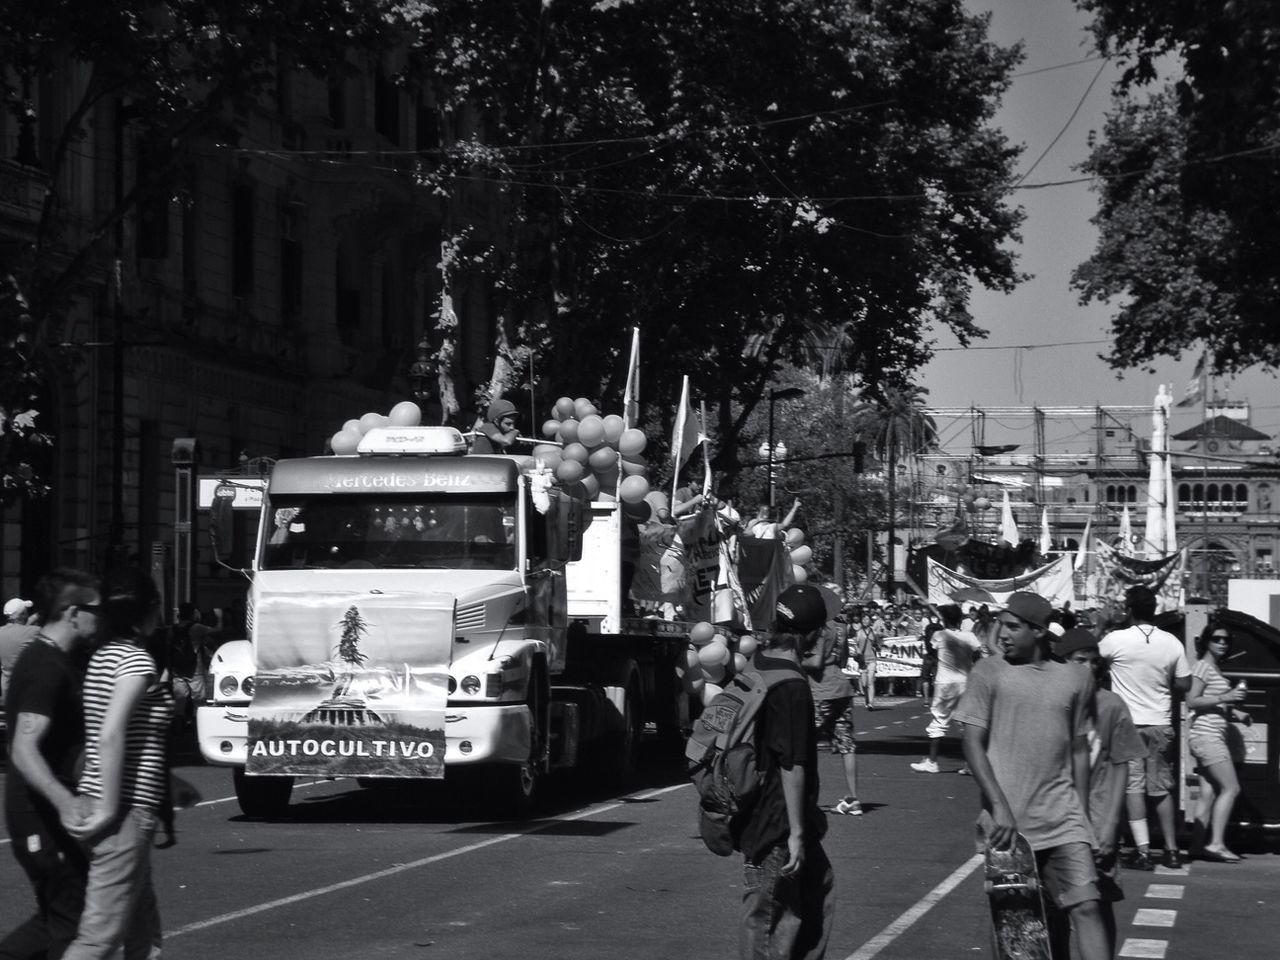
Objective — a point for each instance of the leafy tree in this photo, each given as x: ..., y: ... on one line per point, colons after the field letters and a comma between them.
x: 1188, y: 180
x: 730, y: 174
x: 22, y: 443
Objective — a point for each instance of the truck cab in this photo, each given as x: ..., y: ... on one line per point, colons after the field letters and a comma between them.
x: 408, y: 614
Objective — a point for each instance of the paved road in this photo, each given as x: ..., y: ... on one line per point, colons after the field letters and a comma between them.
x: 360, y: 873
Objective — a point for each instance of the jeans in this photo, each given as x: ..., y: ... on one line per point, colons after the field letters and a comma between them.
x: 119, y: 902
x: 57, y: 869
x: 787, y: 918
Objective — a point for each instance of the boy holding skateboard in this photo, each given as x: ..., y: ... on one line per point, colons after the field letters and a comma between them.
x: 1026, y: 725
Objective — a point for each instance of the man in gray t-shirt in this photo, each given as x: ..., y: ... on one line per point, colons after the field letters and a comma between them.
x: 1026, y: 742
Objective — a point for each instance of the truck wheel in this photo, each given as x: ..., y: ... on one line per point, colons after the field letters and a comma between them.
x: 514, y: 787
x: 263, y: 798
x: 622, y: 750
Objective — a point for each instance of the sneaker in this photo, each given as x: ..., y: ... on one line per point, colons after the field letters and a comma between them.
x: 925, y: 766
x: 1171, y: 859
x: 1140, y: 860
x: 965, y: 772
x: 849, y: 807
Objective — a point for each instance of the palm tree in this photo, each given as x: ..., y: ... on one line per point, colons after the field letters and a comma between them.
x: 895, y: 424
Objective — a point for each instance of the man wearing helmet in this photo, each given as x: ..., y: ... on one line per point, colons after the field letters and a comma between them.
x: 498, y: 431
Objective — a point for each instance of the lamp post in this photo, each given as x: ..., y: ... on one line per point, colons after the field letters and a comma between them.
x: 785, y: 393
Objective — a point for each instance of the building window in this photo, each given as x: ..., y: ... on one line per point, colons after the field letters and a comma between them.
x: 153, y: 207
x: 386, y: 107
x: 241, y: 239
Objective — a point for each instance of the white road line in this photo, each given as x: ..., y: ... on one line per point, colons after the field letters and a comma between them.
x: 900, y: 926
x: 1148, y: 949
x: 880, y: 727
x: 1165, y: 891
x: 404, y: 867
x: 1149, y: 917
x: 296, y: 786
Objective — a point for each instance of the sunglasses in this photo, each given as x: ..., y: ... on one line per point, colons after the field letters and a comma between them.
x: 94, y: 608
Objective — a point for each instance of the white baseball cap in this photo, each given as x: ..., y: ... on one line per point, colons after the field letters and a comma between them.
x: 16, y: 606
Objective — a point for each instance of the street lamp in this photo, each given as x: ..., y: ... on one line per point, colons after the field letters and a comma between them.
x: 786, y: 393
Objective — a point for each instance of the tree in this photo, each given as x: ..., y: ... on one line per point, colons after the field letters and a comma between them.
x: 1188, y: 178
x: 166, y: 73
x: 725, y: 174
x: 22, y: 444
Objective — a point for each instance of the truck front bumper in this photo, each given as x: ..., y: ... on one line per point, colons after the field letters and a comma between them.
x: 498, y: 733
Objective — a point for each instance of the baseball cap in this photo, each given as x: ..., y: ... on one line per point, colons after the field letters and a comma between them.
x: 1077, y: 638
x: 1030, y: 607
x: 16, y: 606
x: 800, y: 608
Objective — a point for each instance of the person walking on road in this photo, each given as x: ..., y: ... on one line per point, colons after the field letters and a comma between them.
x: 1212, y: 701
x: 46, y: 739
x: 127, y: 715
x: 1026, y: 741
x: 1113, y: 742
x: 788, y: 900
x: 15, y: 633
x: 1147, y: 665
x: 957, y: 651
x: 833, y: 708
x: 869, y: 635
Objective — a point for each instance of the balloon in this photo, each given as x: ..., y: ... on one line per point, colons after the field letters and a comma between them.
x: 739, y: 663
x: 802, y: 554
x: 698, y: 685
x: 406, y: 413
x: 710, y: 692
x: 575, y: 451
x: 570, y: 471
x: 583, y: 408
x: 639, y: 512
x: 714, y: 654
x: 795, y: 537
x: 603, y: 459
x: 550, y: 428
x: 344, y: 442
x: 564, y: 408
x: 608, y: 483
x: 548, y: 454
x: 747, y: 645
x: 970, y: 499
x: 982, y: 503
x: 633, y: 466
x: 591, y: 430
x: 591, y: 485
x: 371, y: 420
x: 716, y: 672
x: 691, y: 658
x: 702, y: 632
x: 613, y: 427
x: 353, y: 426
x: 569, y: 430
x: 800, y: 573
x: 633, y: 490
x: 631, y: 443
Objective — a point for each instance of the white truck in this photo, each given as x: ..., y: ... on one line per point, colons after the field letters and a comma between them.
x: 421, y: 613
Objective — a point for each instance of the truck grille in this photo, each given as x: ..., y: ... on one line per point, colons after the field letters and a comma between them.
x: 470, y: 617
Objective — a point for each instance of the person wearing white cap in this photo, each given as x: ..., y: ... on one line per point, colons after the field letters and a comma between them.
x: 15, y: 634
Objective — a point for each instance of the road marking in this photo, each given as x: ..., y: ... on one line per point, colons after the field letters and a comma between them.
x: 880, y: 727
x: 1148, y: 917
x: 1149, y: 949
x: 412, y: 865
x: 900, y: 926
x: 296, y: 786
x: 1165, y: 891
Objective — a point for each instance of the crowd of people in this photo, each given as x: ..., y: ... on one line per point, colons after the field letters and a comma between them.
x: 89, y: 717
x: 1067, y: 731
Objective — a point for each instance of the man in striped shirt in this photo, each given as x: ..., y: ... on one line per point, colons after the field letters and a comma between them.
x: 46, y: 729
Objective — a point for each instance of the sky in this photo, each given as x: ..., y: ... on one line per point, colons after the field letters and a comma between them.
x: 1056, y: 236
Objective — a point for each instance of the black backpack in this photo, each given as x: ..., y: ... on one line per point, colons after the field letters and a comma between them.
x: 721, y: 755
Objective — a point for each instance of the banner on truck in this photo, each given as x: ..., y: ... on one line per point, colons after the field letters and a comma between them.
x: 350, y: 686
x: 900, y: 657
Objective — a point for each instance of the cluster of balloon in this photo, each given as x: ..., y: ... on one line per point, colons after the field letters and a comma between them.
x: 801, y: 554
x: 406, y: 413
x: 712, y: 659
x: 596, y: 456
x: 969, y: 496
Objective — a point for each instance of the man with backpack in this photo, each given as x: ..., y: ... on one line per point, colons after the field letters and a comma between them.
x: 788, y: 884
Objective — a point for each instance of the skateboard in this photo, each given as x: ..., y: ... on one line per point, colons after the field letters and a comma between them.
x: 1019, y: 929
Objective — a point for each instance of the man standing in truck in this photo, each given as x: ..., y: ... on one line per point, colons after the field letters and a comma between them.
x: 498, y: 432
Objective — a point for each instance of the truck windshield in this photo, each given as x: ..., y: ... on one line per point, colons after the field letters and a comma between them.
x: 446, y: 532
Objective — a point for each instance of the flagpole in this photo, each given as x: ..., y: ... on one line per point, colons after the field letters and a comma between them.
x: 706, y: 451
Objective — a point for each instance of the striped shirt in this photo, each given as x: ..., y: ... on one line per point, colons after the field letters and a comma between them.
x: 142, y: 780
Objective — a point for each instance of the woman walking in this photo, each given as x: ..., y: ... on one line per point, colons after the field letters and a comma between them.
x: 127, y: 714
x: 1210, y: 700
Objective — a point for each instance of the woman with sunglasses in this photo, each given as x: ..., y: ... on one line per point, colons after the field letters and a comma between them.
x: 1210, y: 700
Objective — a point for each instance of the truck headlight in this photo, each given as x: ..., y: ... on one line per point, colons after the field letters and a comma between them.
x: 247, y: 686
x: 228, y: 686
x: 471, y: 685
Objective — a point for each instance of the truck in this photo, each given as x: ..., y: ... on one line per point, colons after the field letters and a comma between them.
x: 418, y: 612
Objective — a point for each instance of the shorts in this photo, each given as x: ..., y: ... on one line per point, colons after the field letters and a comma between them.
x: 1068, y: 873
x: 946, y: 697
x: 1153, y: 775
x: 1210, y: 746
x: 834, y: 722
